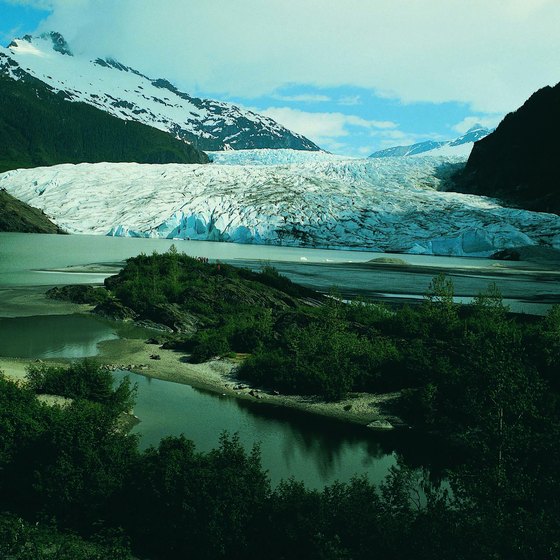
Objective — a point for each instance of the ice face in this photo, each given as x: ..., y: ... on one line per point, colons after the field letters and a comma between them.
x: 388, y: 205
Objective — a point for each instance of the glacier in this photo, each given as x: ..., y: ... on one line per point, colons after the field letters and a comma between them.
x: 284, y: 197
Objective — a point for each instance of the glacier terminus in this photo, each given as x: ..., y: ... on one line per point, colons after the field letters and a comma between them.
x: 284, y: 197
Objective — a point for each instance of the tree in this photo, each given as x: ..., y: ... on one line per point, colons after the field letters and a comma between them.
x: 438, y: 308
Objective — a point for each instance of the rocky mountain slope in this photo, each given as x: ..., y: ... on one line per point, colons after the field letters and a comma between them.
x: 40, y: 127
x: 518, y: 162
x: 389, y: 204
x: 461, y: 146
x: 127, y: 94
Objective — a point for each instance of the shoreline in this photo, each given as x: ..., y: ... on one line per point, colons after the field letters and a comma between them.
x: 218, y: 376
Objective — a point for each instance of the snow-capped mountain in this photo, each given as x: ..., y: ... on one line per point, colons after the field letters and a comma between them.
x: 127, y: 94
x: 461, y: 146
x: 387, y: 204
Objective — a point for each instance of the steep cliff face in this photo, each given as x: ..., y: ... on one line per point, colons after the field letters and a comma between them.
x: 518, y: 162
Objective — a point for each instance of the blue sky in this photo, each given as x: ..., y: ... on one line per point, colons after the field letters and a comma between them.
x: 354, y: 76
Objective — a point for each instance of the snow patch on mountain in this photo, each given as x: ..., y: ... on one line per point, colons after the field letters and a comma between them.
x: 460, y: 147
x: 390, y: 205
x: 127, y: 94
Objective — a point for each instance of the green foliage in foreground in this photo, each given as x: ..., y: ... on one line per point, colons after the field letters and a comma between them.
x: 485, y: 379
x: 82, y: 380
x: 72, y: 470
x: 20, y: 540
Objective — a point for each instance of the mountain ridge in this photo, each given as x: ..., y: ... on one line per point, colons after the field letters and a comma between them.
x: 40, y: 127
x: 460, y: 146
x: 128, y: 94
x: 517, y: 162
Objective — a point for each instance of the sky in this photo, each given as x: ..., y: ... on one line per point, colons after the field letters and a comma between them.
x: 354, y: 76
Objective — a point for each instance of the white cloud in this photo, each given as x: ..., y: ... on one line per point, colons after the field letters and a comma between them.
x: 469, y: 122
x: 350, y: 100
x: 324, y: 127
x: 490, y: 54
x: 303, y: 98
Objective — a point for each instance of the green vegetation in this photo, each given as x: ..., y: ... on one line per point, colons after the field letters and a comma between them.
x: 84, y: 380
x: 484, y: 379
x: 301, y: 342
x: 39, y: 127
x: 79, y: 293
x: 73, y: 485
x: 21, y: 540
x: 18, y: 216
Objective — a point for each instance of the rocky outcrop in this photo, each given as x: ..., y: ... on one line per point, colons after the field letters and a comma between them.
x: 113, y: 309
x: 172, y: 316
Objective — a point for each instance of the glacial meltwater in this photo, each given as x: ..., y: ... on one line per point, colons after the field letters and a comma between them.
x: 313, y: 449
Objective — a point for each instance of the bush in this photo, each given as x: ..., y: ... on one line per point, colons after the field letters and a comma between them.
x: 82, y: 380
x: 208, y: 344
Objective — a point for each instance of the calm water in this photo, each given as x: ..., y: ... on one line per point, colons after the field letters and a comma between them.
x: 28, y: 260
x: 60, y: 336
x: 315, y: 450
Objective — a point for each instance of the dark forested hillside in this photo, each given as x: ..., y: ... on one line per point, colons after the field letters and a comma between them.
x: 18, y: 216
x: 39, y: 127
x: 518, y: 161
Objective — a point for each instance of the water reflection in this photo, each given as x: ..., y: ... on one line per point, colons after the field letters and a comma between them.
x: 59, y: 336
x: 62, y: 336
x: 315, y: 450
x: 329, y: 441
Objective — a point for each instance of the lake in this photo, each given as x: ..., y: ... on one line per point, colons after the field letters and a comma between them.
x: 29, y: 260
x: 315, y: 450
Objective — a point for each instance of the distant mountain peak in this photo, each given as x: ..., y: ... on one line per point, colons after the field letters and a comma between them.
x: 127, y: 94
x: 476, y: 127
x: 57, y: 42
x: 460, y: 146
